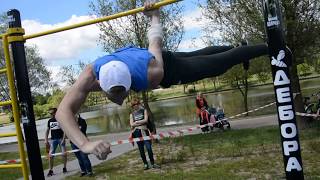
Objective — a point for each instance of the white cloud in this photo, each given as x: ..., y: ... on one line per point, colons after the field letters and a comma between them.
x: 191, y: 44
x: 70, y: 44
x: 194, y: 20
x: 63, y: 45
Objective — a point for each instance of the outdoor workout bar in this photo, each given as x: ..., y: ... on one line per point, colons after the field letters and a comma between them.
x: 98, y: 20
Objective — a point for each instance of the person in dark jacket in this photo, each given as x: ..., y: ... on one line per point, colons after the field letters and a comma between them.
x: 83, y: 159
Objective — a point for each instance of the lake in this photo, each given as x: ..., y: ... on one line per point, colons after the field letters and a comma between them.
x: 176, y: 111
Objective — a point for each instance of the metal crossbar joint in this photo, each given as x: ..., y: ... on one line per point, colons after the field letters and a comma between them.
x: 3, y: 70
x: 16, y: 39
x: 15, y: 31
x: 15, y: 35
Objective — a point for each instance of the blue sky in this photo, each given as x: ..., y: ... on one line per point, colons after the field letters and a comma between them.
x: 68, y: 48
x: 46, y: 11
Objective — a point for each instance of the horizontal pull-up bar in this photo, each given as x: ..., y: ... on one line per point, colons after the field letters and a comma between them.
x: 98, y: 20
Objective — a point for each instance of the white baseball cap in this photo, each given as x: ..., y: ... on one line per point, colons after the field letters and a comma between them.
x: 114, y: 73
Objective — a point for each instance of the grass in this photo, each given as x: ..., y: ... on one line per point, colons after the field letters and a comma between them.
x: 235, y: 154
x: 15, y: 173
x: 4, y: 118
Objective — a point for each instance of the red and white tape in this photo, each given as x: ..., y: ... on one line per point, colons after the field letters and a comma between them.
x: 10, y: 161
x: 162, y: 134
x: 306, y: 114
x: 157, y: 136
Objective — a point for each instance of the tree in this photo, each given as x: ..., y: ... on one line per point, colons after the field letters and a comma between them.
x: 244, y: 19
x: 39, y: 76
x: 238, y: 77
x: 133, y: 29
x: 71, y: 72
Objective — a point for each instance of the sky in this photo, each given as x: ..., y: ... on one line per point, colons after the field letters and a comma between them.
x: 67, y: 48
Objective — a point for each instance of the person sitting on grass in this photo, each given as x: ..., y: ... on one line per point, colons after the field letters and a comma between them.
x: 138, y: 123
x: 141, y: 69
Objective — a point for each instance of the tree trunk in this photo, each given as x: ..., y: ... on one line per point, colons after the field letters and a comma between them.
x: 291, y: 37
x: 245, y: 95
x: 184, y: 88
x: 146, y: 105
x: 302, y: 122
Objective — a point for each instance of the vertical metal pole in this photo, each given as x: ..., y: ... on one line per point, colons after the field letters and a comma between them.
x: 280, y: 62
x: 25, y: 100
x: 15, y: 109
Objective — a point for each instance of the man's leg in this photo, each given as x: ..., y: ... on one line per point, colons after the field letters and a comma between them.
x: 86, y: 162
x: 53, y: 146
x: 64, y: 157
x: 78, y: 155
x: 190, y: 69
x: 204, y: 51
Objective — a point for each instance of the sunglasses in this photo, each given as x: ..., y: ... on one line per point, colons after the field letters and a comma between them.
x: 134, y: 104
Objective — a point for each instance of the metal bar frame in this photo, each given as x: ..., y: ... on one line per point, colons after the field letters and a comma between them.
x: 6, y: 166
x: 9, y: 134
x: 15, y: 110
x: 5, y: 103
x: 98, y: 20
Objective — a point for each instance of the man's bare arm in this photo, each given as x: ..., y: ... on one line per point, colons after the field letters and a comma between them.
x: 46, y: 135
x: 71, y: 103
x: 155, y: 36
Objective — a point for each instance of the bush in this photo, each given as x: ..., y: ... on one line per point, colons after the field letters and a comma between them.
x: 304, y: 69
x: 191, y: 91
x: 41, y: 111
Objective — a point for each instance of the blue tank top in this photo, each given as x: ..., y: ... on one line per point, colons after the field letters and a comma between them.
x: 137, y: 60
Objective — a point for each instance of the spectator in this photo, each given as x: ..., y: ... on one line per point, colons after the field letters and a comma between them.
x: 138, y: 121
x: 83, y: 159
x: 202, y: 111
x: 57, y: 138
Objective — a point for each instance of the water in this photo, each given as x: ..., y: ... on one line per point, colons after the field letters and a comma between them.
x: 177, y: 111
x: 182, y: 110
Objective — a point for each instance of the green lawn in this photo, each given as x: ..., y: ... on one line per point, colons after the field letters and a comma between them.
x: 14, y: 173
x: 235, y: 154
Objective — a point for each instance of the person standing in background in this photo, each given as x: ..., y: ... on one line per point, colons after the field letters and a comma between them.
x: 57, y: 139
x: 83, y: 159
